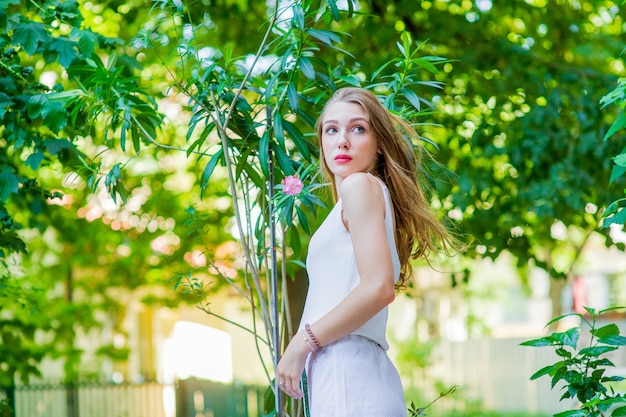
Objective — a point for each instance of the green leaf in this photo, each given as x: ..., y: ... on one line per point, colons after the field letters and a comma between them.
x: 595, y: 351
x: 616, y: 172
x: 324, y: 36
x: 307, y: 117
x: 126, y: 124
x: 292, y: 97
x: 334, y: 10
x: 293, y: 239
x: 304, y: 223
x: 427, y: 65
x: 544, y: 341
x: 253, y: 174
x: 620, y: 160
x: 617, y: 218
x: 30, y: 35
x: 54, y: 146
x: 307, y: 68
x: 69, y: 12
x: 287, y: 211
x: 282, y: 159
x: 606, y: 331
x: 298, y: 262
x: 572, y: 413
x: 298, y: 139
x: 327, y: 81
x: 380, y: 69
x: 34, y: 160
x: 567, y: 338
x: 592, y: 311
x: 264, y: 153
x: 87, y: 42
x: 9, y: 183
x: 564, y: 353
x: 4, y: 4
x: 55, y: 117
x: 209, y: 168
x: 5, y: 104
x: 298, y: 16
x: 269, y: 401
x: 619, y: 412
x: 36, y: 105
x: 600, y: 362
x: 618, y: 124
x: 614, y: 378
x: 562, y: 317
x: 617, y: 95
x: 278, y: 128
x: 412, y: 97
x: 614, y: 308
x: 198, y: 142
x: 64, y: 49
x: 546, y: 370
x: 65, y: 96
x: 113, y: 183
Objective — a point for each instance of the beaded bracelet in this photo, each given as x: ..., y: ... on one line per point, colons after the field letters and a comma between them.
x: 313, y: 348
x: 309, y: 332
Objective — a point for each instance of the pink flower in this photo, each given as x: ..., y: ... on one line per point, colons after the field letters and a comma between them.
x: 292, y: 185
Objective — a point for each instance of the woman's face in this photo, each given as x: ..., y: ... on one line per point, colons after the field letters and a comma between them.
x: 348, y: 142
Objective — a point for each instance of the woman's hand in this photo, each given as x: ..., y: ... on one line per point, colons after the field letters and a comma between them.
x: 291, y: 366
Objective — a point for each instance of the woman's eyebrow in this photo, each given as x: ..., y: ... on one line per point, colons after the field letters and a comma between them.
x: 355, y: 119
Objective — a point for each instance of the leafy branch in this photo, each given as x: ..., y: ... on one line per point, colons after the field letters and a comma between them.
x: 415, y: 411
x: 582, y: 370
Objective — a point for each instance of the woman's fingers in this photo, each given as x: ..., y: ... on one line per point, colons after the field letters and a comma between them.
x: 291, y: 387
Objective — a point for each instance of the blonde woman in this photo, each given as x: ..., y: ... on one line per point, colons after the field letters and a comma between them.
x: 357, y: 260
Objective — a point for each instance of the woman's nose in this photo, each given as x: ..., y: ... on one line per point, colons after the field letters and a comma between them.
x: 343, y: 141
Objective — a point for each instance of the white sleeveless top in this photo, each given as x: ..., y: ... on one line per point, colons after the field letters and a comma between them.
x: 333, y: 273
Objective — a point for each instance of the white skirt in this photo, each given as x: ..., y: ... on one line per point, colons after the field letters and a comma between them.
x: 354, y: 377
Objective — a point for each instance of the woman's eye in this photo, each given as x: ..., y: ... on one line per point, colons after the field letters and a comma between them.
x: 331, y: 130
x: 358, y: 129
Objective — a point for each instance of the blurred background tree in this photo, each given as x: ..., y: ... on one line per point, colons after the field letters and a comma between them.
x: 521, y: 125
x: 76, y: 236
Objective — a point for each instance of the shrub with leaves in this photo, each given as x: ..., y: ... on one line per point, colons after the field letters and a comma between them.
x: 583, y: 370
x: 5, y: 408
x: 616, y: 97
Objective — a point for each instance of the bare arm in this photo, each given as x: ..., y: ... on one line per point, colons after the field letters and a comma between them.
x: 364, y: 214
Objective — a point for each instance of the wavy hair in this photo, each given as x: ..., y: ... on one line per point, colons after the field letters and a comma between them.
x: 419, y: 233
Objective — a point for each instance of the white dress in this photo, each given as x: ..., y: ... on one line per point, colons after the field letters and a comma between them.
x: 352, y: 377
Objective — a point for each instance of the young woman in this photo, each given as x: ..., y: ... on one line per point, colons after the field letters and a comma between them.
x: 357, y: 260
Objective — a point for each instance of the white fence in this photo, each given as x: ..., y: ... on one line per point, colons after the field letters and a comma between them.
x: 92, y: 400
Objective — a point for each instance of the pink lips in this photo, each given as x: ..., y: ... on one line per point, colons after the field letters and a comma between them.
x: 341, y: 158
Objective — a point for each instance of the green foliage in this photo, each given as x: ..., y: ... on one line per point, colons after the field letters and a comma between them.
x: 582, y: 370
x: 5, y: 408
x: 42, y: 123
x: 520, y: 126
x: 617, y: 97
x: 62, y: 252
x: 415, y: 411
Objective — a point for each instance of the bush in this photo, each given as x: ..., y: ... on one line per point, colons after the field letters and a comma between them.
x: 583, y: 369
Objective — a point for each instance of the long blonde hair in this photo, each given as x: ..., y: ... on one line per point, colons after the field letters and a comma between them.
x: 419, y: 233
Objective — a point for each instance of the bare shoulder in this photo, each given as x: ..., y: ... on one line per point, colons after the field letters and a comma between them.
x: 361, y: 189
